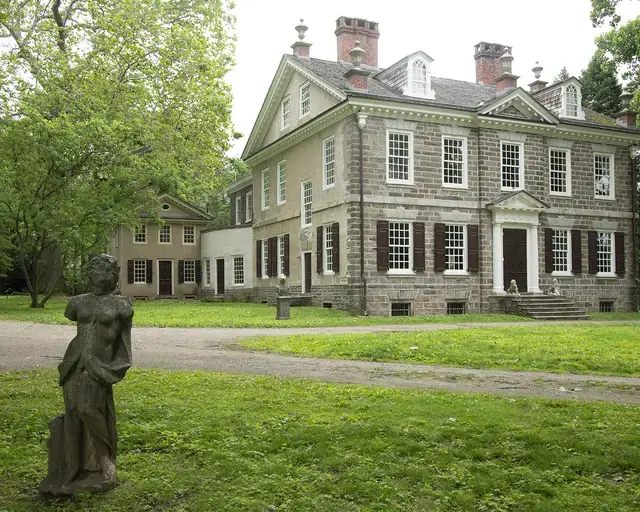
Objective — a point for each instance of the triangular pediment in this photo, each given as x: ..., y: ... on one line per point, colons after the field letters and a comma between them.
x: 277, y: 90
x: 172, y: 207
x: 517, y: 104
x: 519, y: 200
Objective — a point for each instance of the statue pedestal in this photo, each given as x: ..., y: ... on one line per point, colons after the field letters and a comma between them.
x: 283, y: 307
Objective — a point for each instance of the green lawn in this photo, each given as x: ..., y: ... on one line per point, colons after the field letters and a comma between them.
x: 174, y: 313
x: 599, y: 349
x: 211, y: 442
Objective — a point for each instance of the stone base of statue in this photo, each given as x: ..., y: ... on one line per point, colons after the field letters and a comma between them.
x: 283, y: 307
x: 60, y: 482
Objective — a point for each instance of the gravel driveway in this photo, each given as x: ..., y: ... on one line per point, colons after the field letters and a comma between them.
x: 26, y: 346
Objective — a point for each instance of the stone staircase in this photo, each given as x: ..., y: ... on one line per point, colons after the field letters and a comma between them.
x: 548, y: 307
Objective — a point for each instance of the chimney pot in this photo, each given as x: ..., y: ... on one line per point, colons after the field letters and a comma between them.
x: 350, y: 30
x: 488, y: 63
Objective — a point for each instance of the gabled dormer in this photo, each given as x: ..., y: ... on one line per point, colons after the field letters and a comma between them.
x: 563, y: 99
x: 411, y: 76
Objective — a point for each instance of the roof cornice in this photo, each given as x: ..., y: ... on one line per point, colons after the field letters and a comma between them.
x: 239, y: 184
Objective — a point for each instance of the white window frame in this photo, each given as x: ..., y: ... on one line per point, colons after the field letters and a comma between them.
x: 566, y: 193
x: 402, y: 271
x: 282, y: 184
x: 144, y: 271
x: 163, y: 226
x: 281, y: 255
x: 206, y: 271
x: 569, y: 271
x: 248, y: 206
x: 265, y: 258
x: 325, y: 163
x: 238, y: 209
x: 306, y: 85
x: 304, y: 205
x: 143, y: 231
x: 184, y: 235
x: 391, y: 181
x: 419, y: 87
x: 464, y: 183
x: 520, y: 165
x: 612, y: 257
x: 184, y: 268
x: 325, y: 263
x: 612, y: 176
x: 233, y: 270
x: 266, y: 189
x: 285, y: 115
x: 465, y: 252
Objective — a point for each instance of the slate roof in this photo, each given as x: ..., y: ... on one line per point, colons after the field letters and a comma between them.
x: 448, y: 92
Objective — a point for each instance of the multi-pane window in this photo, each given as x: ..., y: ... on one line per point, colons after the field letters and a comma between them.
x: 561, y: 250
x: 419, y: 78
x: 286, y: 112
x: 189, y: 271
x: 605, y: 253
x: 238, y: 270
x: 454, y: 248
x: 328, y: 249
x: 140, y: 234
x: 238, y: 210
x: 165, y: 234
x: 511, y: 170
x: 399, y: 157
x: 281, y: 255
x: 282, y: 182
x: 572, y: 101
x: 266, y: 189
x: 139, y: 271
x: 454, y: 162
x: 329, y: 162
x: 603, y: 175
x: 265, y: 257
x: 249, y: 206
x: 399, y: 246
x: 559, y: 177
x: 207, y: 272
x: 307, y: 198
x: 305, y: 99
x: 189, y: 235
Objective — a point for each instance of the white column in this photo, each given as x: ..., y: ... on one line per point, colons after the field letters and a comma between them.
x: 498, y: 266
x: 533, y: 274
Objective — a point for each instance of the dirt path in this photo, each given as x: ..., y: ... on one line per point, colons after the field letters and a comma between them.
x: 27, y: 346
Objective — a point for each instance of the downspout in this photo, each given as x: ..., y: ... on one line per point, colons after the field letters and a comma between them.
x: 480, y: 212
x: 362, y: 119
x: 634, y: 221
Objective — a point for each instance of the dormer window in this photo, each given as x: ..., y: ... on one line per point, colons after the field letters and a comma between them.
x: 418, y: 81
x: 419, y: 78
x: 572, y: 100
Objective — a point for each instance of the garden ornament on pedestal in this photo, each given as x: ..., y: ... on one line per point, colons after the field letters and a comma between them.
x: 513, y: 288
x: 283, y: 301
x: 82, y: 445
x: 555, y: 288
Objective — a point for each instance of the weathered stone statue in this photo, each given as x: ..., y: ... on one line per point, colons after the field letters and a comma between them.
x: 555, y: 288
x: 82, y: 445
x: 283, y: 288
x: 513, y: 288
x: 283, y: 301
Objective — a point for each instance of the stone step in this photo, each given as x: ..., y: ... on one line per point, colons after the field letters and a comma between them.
x: 560, y: 317
x: 555, y: 313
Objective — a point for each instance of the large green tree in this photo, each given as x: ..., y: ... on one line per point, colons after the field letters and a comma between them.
x: 601, y: 89
x: 103, y: 104
x: 562, y: 76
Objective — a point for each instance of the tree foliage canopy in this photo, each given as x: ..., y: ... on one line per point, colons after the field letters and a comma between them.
x: 601, y: 89
x: 104, y: 103
x: 562, y: 76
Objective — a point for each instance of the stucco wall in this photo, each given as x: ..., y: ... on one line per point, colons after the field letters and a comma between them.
x: 225, y: 244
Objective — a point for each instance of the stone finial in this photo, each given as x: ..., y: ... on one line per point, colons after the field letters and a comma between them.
x: 301, y: 29
x: 625, y: 98
x: 357, y: 55
x: 537, y: 70
x: 626, y: 117
x: 505, y: 61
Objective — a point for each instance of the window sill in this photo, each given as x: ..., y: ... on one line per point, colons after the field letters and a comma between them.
x: 406, y: 184
x: 237, y: 285
x: 280, y: 203
x: 305, y: 226
x: 328, y: 187
x: 502, y: 189
x: 265, y: 277
x: 188, y: 282
x: 456, y: 273
x: 141, y: 282
x: 139, y: 243
x: 605, y: 198
x: 165, y: 243
x: 560, y: 194
x: 449, y: 186
x: 401, y: 273
x: 607, y: 275
x: 265, y: 208
x: 328, y: 273
x: 184, y: 243
x: 561, y: 274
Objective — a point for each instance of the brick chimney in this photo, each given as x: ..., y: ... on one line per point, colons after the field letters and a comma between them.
x: 350, y: 30
x: 506, y: 80
x: 627, y: 117
x: 487, y: 56
x: 538, y: 85
x: 357, y: 77
x: 300, y: 48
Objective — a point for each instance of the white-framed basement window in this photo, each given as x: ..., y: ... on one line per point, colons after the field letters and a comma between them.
x: 603, y: 176
x: 455, y: 249
x: 329, y: 162
x: 399, y: 157
x: 561, y: 252
x: 266, y: 189
x: 606, y: 254
x: 282, y: 182
x: 307, y: 200
x: 559, y: 172
x: 305, y: 99
x: 512, y: 165
x: 454, y: 162
x: 400, y: 248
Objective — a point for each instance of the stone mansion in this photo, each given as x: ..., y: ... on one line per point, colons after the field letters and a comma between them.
x: 392, y: 191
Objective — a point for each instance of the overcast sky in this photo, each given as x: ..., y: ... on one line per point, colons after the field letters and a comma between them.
x: 555, y: 32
